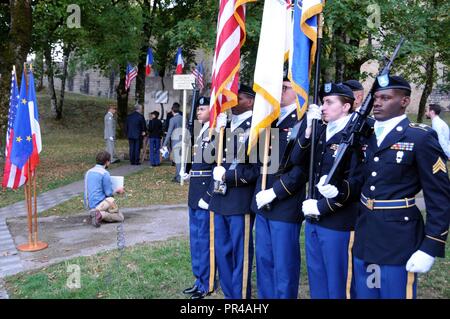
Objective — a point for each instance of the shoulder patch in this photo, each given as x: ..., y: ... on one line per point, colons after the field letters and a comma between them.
x: 420, y: 126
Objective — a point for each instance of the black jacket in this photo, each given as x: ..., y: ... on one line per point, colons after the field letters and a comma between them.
x: 155, y: 128
x: 135, y: 125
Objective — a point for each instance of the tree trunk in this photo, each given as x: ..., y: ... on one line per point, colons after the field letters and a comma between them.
x: 140, y: 79
x: 14, y: 52
x: 59, y: 109
x: 148, y: 14
x: 429, y: 71
x: 51, y: 81
x: 122, y: 104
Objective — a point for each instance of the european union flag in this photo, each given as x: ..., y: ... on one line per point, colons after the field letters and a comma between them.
x: 304, y: 48
x: 22, y: 145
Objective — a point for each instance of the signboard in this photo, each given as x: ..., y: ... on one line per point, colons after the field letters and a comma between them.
x: 183, y: 81
x: 162, y: 97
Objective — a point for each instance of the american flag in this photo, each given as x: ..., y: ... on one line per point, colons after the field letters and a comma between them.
x: 198, y: 73
x: 227, y: 55
x: 131, y: 74
x: 13, y: 177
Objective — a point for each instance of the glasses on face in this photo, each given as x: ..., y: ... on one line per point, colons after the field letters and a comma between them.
x: 285, y: 88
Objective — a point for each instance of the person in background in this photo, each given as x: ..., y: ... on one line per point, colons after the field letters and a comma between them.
x: 358, y: 93
x: 135, y: 128
x: 155, y: 131
x: 440, y: 127
x: 110, y: 132
x: 174, y: 138
x: 98, y: 192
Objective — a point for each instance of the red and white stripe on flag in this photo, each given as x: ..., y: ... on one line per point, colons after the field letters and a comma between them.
x: 129, y: 77
x: 13, y: 177
x: 227, y: 54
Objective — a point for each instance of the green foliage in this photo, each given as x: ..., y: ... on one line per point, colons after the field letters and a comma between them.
x: 111, y: 34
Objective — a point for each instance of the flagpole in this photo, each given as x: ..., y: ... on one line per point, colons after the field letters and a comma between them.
x: 28, y: 201
x: 311, y: 189
x: 266, y: 164
x: 183, y: 135
x: 31, y: 200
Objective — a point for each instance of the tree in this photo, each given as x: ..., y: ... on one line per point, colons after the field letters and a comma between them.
x: 425, y: 25
x: 54, y: 34
x: 112, y: 33
x: 15, y: 43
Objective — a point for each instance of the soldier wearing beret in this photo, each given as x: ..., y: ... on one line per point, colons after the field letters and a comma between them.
x: 198, y: 202
x: 329, y: 233
x: 277, y: 230
x: 233, y: 221
x: 358, y: 92
x: 392, y: 242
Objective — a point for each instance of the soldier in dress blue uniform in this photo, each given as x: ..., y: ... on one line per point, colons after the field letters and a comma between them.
x: 277, y: 230
x: 233, y: 222
x: 392, y: 242
x: 329, y: 236
x: 200, y: 177
x: 358, y: 92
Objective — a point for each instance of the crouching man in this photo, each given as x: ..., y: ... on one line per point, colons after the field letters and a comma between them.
x: 98, y: 192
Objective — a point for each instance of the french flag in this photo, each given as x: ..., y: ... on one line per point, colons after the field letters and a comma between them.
x: 149, y: 62
x: 34, y: 121
x: 179, y: 62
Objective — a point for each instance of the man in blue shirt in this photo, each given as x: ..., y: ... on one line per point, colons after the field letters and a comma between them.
x: 98, y: 192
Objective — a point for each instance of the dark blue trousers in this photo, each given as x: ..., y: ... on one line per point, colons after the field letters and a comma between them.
x: 234, y: 254
x: 373, y: 281
x: 330, y: 275
x: 277, y: 249
x: 199, y: 242
x: 134, y: 150
x: 154, y: 146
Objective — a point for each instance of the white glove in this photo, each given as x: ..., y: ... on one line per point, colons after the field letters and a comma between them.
x: 419, y: 262
x: 314, y: 113
x: 221, y: 121
x: 184, y: 176
x: 309, y: 208
x: 327, y: 191
x: 265, y: 197
x: 218, y: 173
x: 202, y: 204
x: 111, y: 138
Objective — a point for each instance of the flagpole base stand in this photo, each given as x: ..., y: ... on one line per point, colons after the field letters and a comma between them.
x: 40, y: 245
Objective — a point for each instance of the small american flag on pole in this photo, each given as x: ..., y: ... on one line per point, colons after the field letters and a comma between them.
x: 198, y: 73
x: 131, y: 74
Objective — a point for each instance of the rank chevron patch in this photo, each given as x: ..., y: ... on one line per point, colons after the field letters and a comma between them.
x: 439, y: 166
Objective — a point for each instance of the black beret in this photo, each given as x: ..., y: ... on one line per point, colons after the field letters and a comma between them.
x: 336, y: 89
x: 203, y: 100
x: 245, y: 89
x: 354, y: 85
x: 387, y: 82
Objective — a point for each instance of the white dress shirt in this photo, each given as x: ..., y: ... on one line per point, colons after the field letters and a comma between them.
x: 336, y: 126
x: 285, y: 111
x: 237, y: 120
x: 443, y: 133
x: 387, y: 126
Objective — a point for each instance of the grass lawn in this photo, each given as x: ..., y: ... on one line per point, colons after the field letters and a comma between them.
x: 160, y: 270
x: 152, y: 186
x: 69, y: 145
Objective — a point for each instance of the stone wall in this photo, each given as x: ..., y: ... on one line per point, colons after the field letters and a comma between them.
x: 93, y: 82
